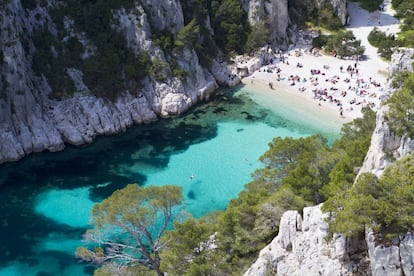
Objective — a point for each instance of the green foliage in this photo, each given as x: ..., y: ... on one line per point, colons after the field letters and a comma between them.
x: 258, y: 37
x: 159, y: 70
x: 164, y: 39
x: 297, y: 173
x: 385, y: 205
x: 369, y: 5
x: 52, y: 66
x: 401, y: 112
x: 128, y: 227
x: 191, y: 244
x: 385, y: 43
x: 344, y: 44
x: 229, y: 21
x: 349, y: 151
x: 320, y: 41
x: 179, y: 73
x: 405, y: 12
x: 110, y: 69
x: 187, y: 35
x: 205, y: 45
x: 325, y: 16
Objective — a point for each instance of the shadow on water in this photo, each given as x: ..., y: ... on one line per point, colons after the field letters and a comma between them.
x: 100, y: 167
x: 92, y: 165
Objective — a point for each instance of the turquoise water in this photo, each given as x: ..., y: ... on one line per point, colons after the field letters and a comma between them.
x: 46, y: 198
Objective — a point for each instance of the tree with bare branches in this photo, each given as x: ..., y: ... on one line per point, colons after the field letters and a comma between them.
x: 128, y: 227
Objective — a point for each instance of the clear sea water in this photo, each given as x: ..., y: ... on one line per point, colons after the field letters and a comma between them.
x: 46, y: 198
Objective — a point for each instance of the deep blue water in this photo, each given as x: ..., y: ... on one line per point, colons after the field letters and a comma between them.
x: 46, y: 198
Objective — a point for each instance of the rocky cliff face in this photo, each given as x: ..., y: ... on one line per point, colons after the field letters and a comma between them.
x: 339, y: 7
x: 34, y: 114
x: 275, y: 13
x: 301, y: 247
x: 385, y: 145
x: 31, y: 120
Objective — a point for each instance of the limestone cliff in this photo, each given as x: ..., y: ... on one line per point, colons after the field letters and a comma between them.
x: 302, y: 247
x: 385, y: 145
x: 51, y: 54
x: 275, y: 13
x: 32, y: 120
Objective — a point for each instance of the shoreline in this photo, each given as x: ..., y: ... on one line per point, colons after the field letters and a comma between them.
x: 323, y: 85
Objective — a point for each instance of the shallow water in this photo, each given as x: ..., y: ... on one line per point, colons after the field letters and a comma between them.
x: 46, y: 198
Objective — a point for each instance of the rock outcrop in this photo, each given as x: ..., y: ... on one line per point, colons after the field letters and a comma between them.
x: 275, y: 13
x: 391, y: 260
x: 339, y: 7
x: 385, y: 145
x: 302, y: 247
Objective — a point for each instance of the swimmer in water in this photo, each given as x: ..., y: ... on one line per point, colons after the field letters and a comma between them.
x: 192, y: 176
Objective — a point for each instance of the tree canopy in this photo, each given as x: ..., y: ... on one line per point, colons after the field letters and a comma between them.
x: 344, y: 44
x: 386, y: 205
x: 128, y: 227
x: 401, y: 106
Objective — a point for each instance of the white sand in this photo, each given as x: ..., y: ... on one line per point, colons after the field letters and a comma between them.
x: 327, y: 94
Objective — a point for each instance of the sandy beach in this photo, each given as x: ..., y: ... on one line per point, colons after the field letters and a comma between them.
x: 323, y: 85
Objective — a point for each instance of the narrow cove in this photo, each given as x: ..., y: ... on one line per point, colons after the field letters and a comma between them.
x: 46, y: 198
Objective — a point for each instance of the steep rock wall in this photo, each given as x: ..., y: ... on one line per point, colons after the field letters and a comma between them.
x: 385, y: 145
x: 339, y: 7
x: 301, y: 248
x: 31, y: 121
x: 275, y: 13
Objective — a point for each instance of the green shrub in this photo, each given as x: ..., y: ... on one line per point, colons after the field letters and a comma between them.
x: 258, y: 37
x: 320, y: 41
x: 325, y: 17
x: 230, y: 25
x: 401, y: 113
x: 385, y: 205
x: 344, y: 44
x: 385, y: 43
x: 187, y: 35
x: 159, y: 70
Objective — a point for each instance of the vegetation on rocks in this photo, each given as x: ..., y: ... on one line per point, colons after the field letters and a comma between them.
x: 405, y: 12
x: 342, y: 43
x: 401, y: 106
x: 385, y: 205
x: 385, y: 43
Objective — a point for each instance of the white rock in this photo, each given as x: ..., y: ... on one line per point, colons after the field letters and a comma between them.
x: 407, y: 254
x: 300, y: 248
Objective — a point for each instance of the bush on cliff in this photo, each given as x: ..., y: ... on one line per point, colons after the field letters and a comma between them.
x: 385, y: 205
x: 401, y: 112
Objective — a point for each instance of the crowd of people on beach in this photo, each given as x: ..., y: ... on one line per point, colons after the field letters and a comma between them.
x: 345, y: 89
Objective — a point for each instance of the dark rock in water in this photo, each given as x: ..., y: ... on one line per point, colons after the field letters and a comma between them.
x: 220, y: 110
x: 191, y: 195
x: 249, y: 116
x: 240, y: 129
